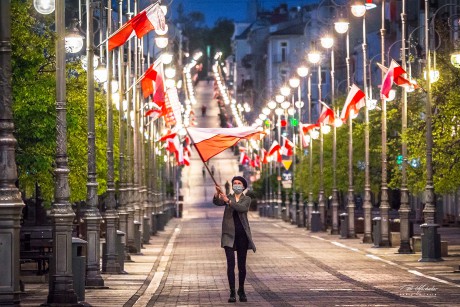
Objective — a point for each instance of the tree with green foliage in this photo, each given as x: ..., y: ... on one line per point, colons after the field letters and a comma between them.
x: 34, y: 87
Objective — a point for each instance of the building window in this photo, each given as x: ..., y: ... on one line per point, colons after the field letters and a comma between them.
x: 283, y: 51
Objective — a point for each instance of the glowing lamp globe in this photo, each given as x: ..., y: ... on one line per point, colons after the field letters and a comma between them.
x: 341, y: 26
x: 302, y: 71
x: 327, y: 42
x: 294, y: 82
x: 100, y: 74
x: 314, y: 57
x: 44, y: 7
x: 161, y: 42
x: 285, y: 104
x: 166, y: 58
x: 285, y: 91
x: 170, y: 72
x: 455, y: 59
x: 271, y: 104
x: 279, y: 98
x: 358, y: 10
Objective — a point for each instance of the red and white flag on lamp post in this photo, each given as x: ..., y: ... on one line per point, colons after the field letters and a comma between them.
x: 149, y: 19
x: 326, y: 117
x: 287, y: 147
x: 354, y: 102
x: 275, y: 150
x: 396, y: 74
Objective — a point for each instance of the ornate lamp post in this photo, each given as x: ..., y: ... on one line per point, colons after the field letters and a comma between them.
x: 285, y: 104
x: 92, y: 216
x: 315, y: 58
x: 279, y: 112
x: 359, y: 10
x: 10, y: 198
x: 384, y: 201
x: 302, y: 71
x: 294, y: 83
x: 341, y: 27
x: 111, y: 215
x: 404, y: 209
x: 328, y: 43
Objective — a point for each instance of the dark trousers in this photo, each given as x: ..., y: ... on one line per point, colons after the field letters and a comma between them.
x: 241, y: 254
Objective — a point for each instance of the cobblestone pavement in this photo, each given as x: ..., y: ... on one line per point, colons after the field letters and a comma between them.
x: 185, y: 266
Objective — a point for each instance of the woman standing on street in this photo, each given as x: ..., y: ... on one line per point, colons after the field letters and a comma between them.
x: 236, y: 234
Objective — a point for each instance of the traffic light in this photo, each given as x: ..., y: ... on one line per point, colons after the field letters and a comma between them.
x: 283, y: 123
x: 267, y: 123
x: 294, y: 122
x: 399, y: 160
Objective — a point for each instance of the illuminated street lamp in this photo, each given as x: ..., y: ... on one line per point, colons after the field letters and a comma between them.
x: 328, y: 42
x: 341, y: 26
x: 279, y: 98
x: 73, y: 38
x: 271, y: 105
x: 302, y: 71
x: 285, y: 91
x: 44, y: 7
x: 359, y: 10
x: 314, y: 57
x: 455, y: 59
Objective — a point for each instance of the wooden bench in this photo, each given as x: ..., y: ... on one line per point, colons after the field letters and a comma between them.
x: 37, y: 246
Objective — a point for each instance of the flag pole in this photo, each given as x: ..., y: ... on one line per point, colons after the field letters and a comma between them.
x: 201, y: 157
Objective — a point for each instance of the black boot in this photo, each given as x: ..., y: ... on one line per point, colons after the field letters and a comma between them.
x: 232, y: 298
x: 242, y: 295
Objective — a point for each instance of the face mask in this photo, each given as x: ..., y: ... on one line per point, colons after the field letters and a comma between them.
x: 238, y: 189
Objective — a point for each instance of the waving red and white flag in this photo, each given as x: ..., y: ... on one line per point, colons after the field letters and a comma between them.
x: 256, y: 161
x: 244, y: 159
x: 396, y: 74
x: 355, y: 101
x: 326, y: 117
x: 149, y: 19
x: 212, y: 141
x: 264, y: 156
x: 274, y: 148
x: 275, y: 151
x: 287, y: 147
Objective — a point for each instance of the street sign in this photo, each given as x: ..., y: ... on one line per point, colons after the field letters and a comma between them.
x: 287, y: 164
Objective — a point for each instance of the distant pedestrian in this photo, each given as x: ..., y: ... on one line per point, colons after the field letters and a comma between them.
x: 212, y: 169
x: 203, y: 110
x: 203, y: 171
x: 236, y: 233
x: 227, y: 187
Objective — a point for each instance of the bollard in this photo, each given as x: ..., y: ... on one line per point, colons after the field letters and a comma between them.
x: 377, y: 231
x: 160, y: 221
x: 137, y: 236
x: 315, y: 222
x: 181, y: 208
x: 343, y: 225
x: 121, y: 250
x: 79, y: 267
x: 153, y: 229
x: 146, y: 230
